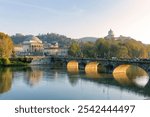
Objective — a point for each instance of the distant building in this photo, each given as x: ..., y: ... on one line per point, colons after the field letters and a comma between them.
x: 110, y: 35
x: 53, y: 45
x: 18, y: 49
x: 54, y: 49
x: 32, y: 44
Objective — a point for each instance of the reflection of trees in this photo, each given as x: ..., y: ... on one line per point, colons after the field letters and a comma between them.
x: 131, y: 75
x: 5, y: 79
x: 33, y: 76
x: 73, y: 78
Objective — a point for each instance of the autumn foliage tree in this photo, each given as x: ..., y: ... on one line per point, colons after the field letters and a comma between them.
x: 6, y: 46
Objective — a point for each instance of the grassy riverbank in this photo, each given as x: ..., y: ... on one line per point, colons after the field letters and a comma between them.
x: 14, y: 62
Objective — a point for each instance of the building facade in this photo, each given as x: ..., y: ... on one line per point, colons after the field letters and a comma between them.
x: 32, y: 44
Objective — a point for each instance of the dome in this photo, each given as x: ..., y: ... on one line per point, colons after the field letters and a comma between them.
x: 32, y: 39
x: 110, y: 32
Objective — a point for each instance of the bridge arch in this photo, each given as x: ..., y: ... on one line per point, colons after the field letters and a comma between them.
x: 95, y: 67
x: 91, y: 70
x: 91, y: 67
x: 131, y: 74
x: 73, y: 66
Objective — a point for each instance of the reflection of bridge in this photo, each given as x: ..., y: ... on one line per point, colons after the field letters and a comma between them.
x: 145, y: 91
x: 101, y: 65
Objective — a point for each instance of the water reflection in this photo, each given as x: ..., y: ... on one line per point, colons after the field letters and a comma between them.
x: 41, y: 82
x: 73, y: 77
x: 33, y: 76
x: 131, y: 75
x: 5, y: 79
x: 73, y: 70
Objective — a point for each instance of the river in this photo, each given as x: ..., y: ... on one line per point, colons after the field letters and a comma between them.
x: 44, y: 83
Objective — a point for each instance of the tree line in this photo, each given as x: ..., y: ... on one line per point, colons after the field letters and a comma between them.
x: 108, y: 48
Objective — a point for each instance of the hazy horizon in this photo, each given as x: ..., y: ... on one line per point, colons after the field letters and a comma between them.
x: 77, y: 18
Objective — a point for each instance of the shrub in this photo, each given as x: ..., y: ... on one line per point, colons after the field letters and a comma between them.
x: 5, y: 61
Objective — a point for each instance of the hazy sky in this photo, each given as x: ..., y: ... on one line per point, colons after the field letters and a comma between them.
x: 77, y: 18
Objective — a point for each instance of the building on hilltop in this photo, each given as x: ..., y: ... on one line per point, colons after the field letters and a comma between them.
x: 110, y: 35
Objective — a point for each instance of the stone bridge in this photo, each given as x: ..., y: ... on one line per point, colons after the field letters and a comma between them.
x: 100, y: 64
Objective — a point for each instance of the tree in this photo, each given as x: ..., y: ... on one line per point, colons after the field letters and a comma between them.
x: 74, y: 49
x: 102, y: 48
x: 6, y: 45
x: 88, y: 49
x: 136, y: 49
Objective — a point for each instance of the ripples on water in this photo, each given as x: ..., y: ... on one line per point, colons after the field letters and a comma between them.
x: 42, y: 82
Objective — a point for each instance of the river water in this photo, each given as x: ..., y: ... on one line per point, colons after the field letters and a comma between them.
x: 44, y: 83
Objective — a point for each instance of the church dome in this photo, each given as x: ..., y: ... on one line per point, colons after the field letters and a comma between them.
x: 32, y: 39
x: 110, y: 32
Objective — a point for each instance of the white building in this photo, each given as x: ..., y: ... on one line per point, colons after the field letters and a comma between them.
x: 32, y: 44
x: 56, y: 51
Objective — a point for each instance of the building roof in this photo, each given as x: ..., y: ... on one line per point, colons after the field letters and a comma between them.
x: 32, y: 39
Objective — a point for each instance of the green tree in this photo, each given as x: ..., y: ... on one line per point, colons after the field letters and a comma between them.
x: 136, y: 49
x: 88, y: 49
x: 102, y: 48
x: 74, y: 49
x: 6, y: 45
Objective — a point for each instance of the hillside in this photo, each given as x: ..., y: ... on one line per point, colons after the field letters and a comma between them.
x: 86, y: 39
x: 49, y: 38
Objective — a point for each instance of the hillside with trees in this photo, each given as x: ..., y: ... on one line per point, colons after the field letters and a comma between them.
x: 48, y: 38
x: 122, y: 47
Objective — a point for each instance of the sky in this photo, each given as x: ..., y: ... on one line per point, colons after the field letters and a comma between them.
x: 77, y: 18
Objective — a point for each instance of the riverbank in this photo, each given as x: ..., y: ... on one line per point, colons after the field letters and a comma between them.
x: 12, y: 62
